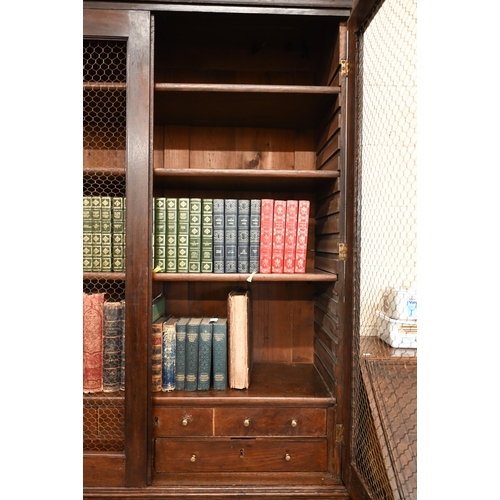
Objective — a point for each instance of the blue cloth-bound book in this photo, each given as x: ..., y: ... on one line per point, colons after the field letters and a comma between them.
x: 219, y: 354
x: 254, y: 236
x: 205, y: 354
x: 192, y: 342
x: 230, y: 235
x: 180, y: 353
x: 168, y: 355
x: 243, y: 236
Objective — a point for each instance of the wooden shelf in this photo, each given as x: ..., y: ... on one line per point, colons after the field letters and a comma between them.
x: 309, y: 276
x: 104, y: 276
x: 282, y: 106
x: 271, y: 384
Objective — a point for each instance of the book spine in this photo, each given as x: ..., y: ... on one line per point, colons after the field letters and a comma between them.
x: 168, y: 357
x: 205, y: 355
x: 266, y: 235
x: 254, y: 245
x: 106, y: 234
x: 194, y: 256
x: 230, y: 235
x: 218, y: 232
x: 118, y: 230
x: 93, y: 326
x: 124, y: 233
x: 160, y: 234
x: 172, y: 228
x: 112, y: 340
x: 156, y: 354
x: 192, y: 344
x: 96, y: 234
x: 207, y: 236
x: 278, y: 236
x: 183, y: 235
x: 122, y: 357
x: 292, y: 208
x: 158, y: 308
x: 180, y: 355
x: 302, y: 234
x: 87, y: 233
x: 243, y: 236
x: 219, y: 354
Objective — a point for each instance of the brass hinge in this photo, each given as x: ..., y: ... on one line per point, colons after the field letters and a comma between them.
x: 339, y: 433
x: 344, y: 67
x: 342, y: 251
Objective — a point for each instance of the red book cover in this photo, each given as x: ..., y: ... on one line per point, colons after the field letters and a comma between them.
x: 302, y: 232
x: 292, y: 208
x: 278, y: 235
x: 93, y: 327
x: 266, y: 235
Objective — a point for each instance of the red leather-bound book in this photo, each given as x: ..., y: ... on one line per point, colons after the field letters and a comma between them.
x: 266, y: 235
x: 278, y: 236
x: 292, y: 208
x: 302, y: 232
x: 93, y: 327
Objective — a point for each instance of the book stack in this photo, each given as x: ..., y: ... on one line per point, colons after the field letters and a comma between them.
x: 230, y: 235
x: 104, y: 233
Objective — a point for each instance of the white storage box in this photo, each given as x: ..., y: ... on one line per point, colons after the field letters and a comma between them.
x: 400, y: 303
x: 397, y: 333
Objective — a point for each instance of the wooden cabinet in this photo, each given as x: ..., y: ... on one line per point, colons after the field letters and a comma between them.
x: 232, y: 100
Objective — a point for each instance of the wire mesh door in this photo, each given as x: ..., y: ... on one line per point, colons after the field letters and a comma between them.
x: 384, y: 434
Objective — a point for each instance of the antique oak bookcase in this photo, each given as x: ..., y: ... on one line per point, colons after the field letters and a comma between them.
x: 223, y: 99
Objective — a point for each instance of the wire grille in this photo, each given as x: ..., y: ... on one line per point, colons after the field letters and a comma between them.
x: 104, y: 162
x: 385, y: 342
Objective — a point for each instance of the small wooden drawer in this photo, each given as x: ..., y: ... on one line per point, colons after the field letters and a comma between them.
x: 240, y: 455
x: 182, y: 422
x: 270, y: 421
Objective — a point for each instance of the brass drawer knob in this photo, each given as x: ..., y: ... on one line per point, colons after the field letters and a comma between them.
x: 288, y: 457
x: 246, y: 422
x: 193, y: 458
x: 185, y: 421
x: 294, y: 423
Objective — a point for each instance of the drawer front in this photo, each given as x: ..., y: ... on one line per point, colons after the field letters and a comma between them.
x: 182, y: 422
x: 270, y: 421
x: 240, y: 455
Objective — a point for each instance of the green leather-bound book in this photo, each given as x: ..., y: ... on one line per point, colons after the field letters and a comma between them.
x: 106, y: 234
x: 87, y: 233
x: 194, y: 259
x: 183, y: 235
x: 207, y: 232
x: 160, y: 234
x: 219, y: 353
x: 180, y: 353
x: 96, y: 234
x: 171, y: 249
x: 192, y: 343
x: 205, y: 354
x: 118, y: 232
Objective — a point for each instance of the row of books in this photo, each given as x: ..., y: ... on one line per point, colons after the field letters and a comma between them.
x: 104, y: 233
x: 230, y: 235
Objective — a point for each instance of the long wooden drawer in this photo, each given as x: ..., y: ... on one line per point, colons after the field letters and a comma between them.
x: 240, y: 455
x: 182, y: 422
x: 270, y: 422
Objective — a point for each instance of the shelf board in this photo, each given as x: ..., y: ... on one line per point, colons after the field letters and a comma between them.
x: 282, y: 106
x: 104, y: 86
x: 308, y: 276
x: 104, y: 276
x: 249, y: 179
x: 271, y: 384
x: 104, y: 171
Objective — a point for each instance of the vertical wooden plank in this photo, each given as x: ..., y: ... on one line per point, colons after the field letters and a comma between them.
x: 176, y: 145
x: 212, y: 147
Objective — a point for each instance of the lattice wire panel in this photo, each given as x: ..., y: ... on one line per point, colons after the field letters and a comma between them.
x: 385, y: 341
x: 104, y: 204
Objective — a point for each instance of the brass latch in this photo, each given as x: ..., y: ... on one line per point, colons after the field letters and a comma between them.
x: 342, y: 251
x: 339, y: 433
x: 344, y: 67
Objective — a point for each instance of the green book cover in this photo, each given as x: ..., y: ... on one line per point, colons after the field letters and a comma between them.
x: 106, y: 234
x: 183, y: 235
x: 171, y: 249
x: 118, y: 234
x: 194, y: 259
x: 205, y: 354
x: 192, y: 343
x: 87, y: 233
x: 219, y: 353
x: 96, y: 234
x: 207, y: 240
x: 158, y: 308
x: 180, y: 353
x: 160, y: 234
